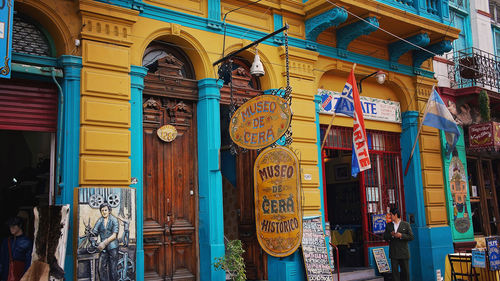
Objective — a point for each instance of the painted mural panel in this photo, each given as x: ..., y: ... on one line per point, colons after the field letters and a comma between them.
x: 106, y: 234
x: 458, y: 188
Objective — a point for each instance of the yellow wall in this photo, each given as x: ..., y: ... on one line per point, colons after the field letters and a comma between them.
x: 114, y: 38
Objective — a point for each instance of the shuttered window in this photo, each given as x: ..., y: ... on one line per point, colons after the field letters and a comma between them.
x: 28, y: 106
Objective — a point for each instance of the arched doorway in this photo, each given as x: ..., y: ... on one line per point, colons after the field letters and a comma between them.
x: 170, y: 167
x: 237, y: 173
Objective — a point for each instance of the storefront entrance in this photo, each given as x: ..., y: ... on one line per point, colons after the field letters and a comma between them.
x: 28, y: 122
x: 353, y: 204
x: 170, y: 167
x: 484, y: 186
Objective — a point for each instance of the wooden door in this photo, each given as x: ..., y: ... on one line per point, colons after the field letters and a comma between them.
x: 170, y: 190
x: 255, y: 257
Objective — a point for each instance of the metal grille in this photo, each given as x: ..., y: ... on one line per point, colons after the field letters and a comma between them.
x: 27, y: 38
x: 383, y: 182
x: 474, y: 67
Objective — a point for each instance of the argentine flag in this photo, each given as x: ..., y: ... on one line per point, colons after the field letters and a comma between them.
x: 438, y: 116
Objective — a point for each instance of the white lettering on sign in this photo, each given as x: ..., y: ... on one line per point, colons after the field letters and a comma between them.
x: 307, y: 177
x: 2, y: 30
x: 361, y: 147
x: 373, y: 108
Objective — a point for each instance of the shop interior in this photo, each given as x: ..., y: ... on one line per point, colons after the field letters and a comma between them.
x: 484, y: 187
x: 344, y: 207
x: 25, y: 175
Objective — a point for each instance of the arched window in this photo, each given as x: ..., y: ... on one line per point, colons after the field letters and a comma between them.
x: 29, y: 38
x: 159, y: 50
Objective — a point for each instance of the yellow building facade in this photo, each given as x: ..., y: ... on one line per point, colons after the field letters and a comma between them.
x: 104, y: 45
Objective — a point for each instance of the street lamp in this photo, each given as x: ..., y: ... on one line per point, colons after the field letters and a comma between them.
x: 379, y: 75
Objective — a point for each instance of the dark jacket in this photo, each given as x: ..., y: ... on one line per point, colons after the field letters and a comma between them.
x: 398, y: 247
x: 21, y: 251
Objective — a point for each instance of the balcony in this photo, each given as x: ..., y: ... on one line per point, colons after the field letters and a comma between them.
x: 473, y: 67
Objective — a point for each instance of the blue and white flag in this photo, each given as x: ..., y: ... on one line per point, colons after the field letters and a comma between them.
x: 436, y: 115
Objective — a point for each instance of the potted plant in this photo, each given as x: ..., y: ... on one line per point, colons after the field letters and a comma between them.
x: 233, y: 262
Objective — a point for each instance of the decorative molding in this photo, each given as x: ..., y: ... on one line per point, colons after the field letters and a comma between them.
x: 398, y: 48
x: 419, y: 56
x: 317, y: 24
x: 107, y: 23
x: 348, y: 33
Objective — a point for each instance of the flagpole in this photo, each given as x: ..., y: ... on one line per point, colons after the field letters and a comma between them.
x: 418, y: 133
x: 331, y: 121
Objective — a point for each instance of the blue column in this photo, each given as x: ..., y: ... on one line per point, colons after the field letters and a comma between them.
x: 211, y: 217
x: 214, y: 10
x: 71, y: 144
x: 289, y: 268
x: 137, y: 74
x: 431, y: 244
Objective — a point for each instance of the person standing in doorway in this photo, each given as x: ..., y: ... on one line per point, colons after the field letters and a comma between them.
x: 107, y: 228
x: 398, y: 233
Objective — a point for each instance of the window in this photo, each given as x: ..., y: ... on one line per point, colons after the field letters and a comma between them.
x: 496, y: 40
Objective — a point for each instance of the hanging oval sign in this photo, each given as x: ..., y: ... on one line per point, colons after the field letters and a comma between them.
x: 278, y: 212
x: 167, y: 133
x: 260, y: 122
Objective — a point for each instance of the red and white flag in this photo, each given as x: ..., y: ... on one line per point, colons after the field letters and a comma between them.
x: 350, y: 104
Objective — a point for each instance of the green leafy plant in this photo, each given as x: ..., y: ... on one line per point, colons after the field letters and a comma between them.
x: 233, y: 262
x: 484, y: 106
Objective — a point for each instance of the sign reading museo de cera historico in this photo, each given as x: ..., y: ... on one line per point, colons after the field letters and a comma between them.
x: 278, y: 212
x: 260, y: 122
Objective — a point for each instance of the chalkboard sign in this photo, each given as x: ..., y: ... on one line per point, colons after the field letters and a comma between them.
x: 315, y: 251
x: 381, y: 260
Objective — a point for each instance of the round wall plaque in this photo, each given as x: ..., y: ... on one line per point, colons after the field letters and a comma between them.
x: 167, y: 133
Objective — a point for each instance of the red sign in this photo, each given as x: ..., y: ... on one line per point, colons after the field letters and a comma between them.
x: 485, y: 135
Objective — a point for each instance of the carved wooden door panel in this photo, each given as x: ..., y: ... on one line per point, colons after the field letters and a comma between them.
x: 255, y: 257
x: 170, y: 190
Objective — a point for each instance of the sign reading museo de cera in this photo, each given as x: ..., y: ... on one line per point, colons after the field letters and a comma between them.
x: 278, y: 213
x: 373, y: 109
x: 260, y: 122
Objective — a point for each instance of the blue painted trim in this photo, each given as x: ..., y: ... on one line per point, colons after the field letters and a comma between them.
x: 419, y: 7
x: 214, y: 12
x: 419, y: 56
x: 137, y: 74
x: 34, y: 60
x: 496, y: 33
x: 398, y: 48
x: 278, y: 23
x: 318, y: 24
x: 235, y: 31
x: 211, y: 216
x: 71, y: 146
x: 348, y: 33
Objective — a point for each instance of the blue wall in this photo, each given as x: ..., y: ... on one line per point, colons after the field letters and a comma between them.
x: 431, y: 244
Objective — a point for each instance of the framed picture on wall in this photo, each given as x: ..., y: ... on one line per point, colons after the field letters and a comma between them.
x: 342, y: 172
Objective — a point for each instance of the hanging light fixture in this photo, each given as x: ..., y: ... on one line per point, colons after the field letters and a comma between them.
x: 380, y: 76
x: 257, y: 68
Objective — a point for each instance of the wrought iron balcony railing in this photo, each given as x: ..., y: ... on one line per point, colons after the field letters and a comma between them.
x: 473, y: 67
